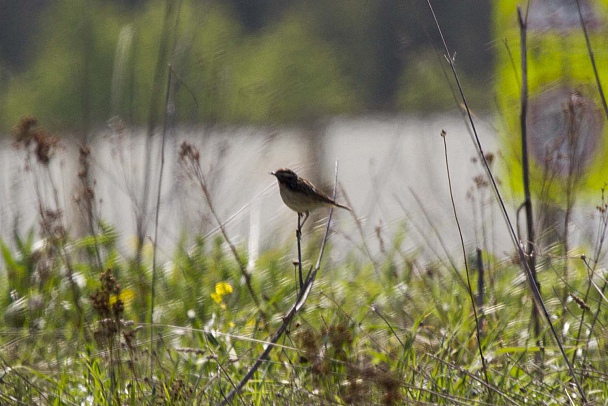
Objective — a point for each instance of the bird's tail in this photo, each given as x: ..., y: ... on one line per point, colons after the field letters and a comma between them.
x: 342, y: 206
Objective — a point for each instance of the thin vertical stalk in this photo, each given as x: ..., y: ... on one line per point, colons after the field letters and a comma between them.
x: 86, y: 192
x: 299, y: 239
x: 480, y: 290
x: 166, y: 120
x: 157, y: 212
x: 466, y: 265
x: 152, y: 121
x: 600, y: 89
x: 531, y: 257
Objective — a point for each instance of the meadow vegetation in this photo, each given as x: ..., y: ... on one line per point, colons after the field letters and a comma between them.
x: 392, y: 328
x: 86, y: 322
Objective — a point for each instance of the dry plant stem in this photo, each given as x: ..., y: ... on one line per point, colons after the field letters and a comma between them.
x: 593, y: 323
x: 571, y: 186
x: 299, y: 238
x: 480, y: 288
x: 375, y: 310
x: 313, y: 274
x: 88, y: 199
x: 152, y: 121
x: 87, y: 42
x: 535, y: 292
x: 531, y: 257
x: 466, y: 264
x: 600, y: 89
x: 222, y: 371
x: 300, y: 300
x: 157, y: 211
x: 59, y: 246
x: 512, y: 60
x: 603, y: 228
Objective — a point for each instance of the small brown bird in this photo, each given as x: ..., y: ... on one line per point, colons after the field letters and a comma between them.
x: 300, y: 195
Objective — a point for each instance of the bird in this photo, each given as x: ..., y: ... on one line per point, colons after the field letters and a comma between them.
x: 300, y: 195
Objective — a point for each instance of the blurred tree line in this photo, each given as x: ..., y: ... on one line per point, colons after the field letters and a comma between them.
x: 75, y: 63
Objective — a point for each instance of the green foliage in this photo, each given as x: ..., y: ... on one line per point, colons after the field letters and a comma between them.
x: 287, y: 74
x: 425, y: 74
x: 68, y: 81
x: 19, y: 265
x: 349, y: 29
x: 405, y: 334
x: 95, y: 60
x: 204, y: 61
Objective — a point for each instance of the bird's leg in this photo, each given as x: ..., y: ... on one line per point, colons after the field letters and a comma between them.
x: 298, y: 238
x: 300, y: 223
x: 306, y: 214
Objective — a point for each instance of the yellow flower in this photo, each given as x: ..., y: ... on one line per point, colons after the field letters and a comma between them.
x: 221, y: 289
x: 127, y: 296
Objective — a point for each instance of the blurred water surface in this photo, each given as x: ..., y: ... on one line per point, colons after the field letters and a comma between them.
x: 392, y: 169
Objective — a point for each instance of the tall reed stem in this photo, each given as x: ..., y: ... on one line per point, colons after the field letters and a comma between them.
x: 530, y: 254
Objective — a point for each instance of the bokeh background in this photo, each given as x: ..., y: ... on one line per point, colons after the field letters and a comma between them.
x: 75, y: 63
x: 147, y: 256
x: 268, y: 84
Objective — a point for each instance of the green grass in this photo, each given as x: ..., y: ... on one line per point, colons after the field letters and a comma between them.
x: 406, y: 336
x: 399, y: 330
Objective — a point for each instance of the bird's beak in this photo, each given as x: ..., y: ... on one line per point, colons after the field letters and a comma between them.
x: 272, y: 173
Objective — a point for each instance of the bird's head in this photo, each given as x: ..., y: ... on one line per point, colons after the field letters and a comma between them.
x: 285, y: 175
